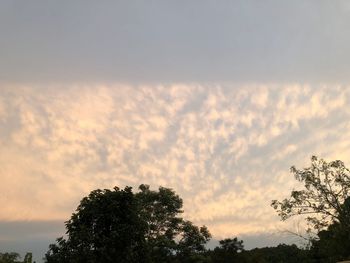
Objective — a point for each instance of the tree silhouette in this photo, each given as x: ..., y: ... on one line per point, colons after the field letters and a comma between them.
x: 333, y: 243
x: 122, y: 226
x: 11, y: 257
x: 326, y: 187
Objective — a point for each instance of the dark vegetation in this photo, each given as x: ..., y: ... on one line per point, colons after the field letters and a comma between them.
x: 15, y: 258
x: 120, y: 225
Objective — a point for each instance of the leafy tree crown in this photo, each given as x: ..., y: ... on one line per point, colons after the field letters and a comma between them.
x: 326, y: 187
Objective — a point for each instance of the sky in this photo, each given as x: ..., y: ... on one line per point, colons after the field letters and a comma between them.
x: 214, y: 99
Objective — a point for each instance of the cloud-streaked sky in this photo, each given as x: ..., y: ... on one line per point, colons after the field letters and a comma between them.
x: 225, y: 150
x: 215, y: 99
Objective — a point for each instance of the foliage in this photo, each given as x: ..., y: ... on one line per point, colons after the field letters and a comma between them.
x: 14, y: 257
x: 122, y: 226
x: 9, y: 257
x: 191, y: 244
x: 326, y: 187
x: 28, y: 258
x: 334, y: 242
x: 231, y: 245
x: 105, y: 227
x: 232, y: 251
x: 228, y: 251
x: 282, y: 253
x: 160, y: 210
x: 325, y: 200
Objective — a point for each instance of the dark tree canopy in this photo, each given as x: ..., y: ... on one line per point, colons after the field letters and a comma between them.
x: 229, y: 250
x: 333, y: 243
x: 122, y: 226
x: 192, y: 241
x: 13, y: 257
x: 232, y: 245
x: 105, y: 227
x: 9, y: 257
x: 325, y: 200
x: 326, y: 187
x: 282, y: 253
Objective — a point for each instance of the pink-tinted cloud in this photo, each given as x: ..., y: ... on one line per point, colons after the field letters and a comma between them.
x: 226, y: 151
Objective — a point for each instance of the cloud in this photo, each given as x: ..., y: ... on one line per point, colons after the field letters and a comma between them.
x: 226, y: 151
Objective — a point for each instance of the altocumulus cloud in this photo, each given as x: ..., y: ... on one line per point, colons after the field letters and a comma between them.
x: 225, y: 150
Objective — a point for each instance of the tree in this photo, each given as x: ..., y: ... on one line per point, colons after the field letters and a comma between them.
x: 229, y: 250
x: 160, y: 211
x: 232, y: 245
x: 333, y: 243
x: 28, y: 258
x: 122, y: 226
x: 105, y: 228
x: 11, y: 257
x: 326, y: 187
x: 191, y: 244
x: 282, y: 253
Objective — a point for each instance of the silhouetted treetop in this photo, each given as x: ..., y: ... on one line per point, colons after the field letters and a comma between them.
x: 121, y: 226
x: 326, y: 187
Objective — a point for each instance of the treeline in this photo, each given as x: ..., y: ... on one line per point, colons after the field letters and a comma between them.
x: 282, y: 254
x: 119, y: 225
x: 13, y: 257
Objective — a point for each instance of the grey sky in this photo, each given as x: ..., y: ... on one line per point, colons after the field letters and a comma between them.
x: 174, y: 41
